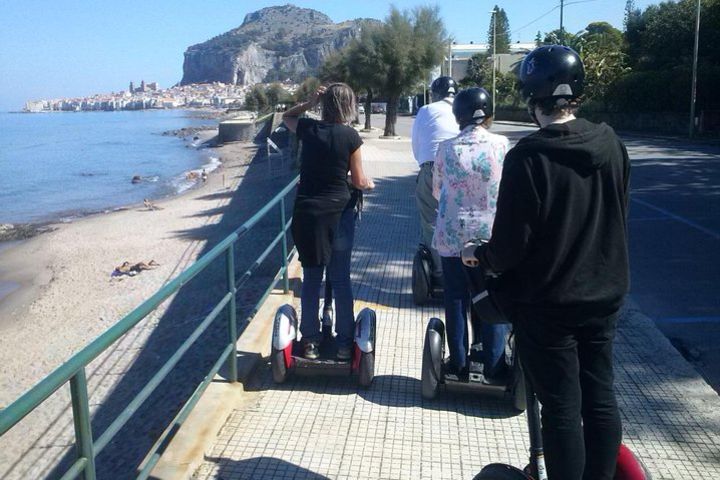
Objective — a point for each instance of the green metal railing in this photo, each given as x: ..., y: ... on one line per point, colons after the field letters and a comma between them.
x: 73, y: 371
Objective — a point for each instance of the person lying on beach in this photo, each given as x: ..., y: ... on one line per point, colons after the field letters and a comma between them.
x: 126, y: 268
x: 150, y: 206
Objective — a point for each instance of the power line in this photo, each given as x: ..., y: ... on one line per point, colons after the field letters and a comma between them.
x: 548, y: 13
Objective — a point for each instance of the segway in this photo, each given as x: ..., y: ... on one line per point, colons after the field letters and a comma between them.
x: 629, y: 467
x: 423, y: 287
x: 286, y: 355
x: 510, y: 385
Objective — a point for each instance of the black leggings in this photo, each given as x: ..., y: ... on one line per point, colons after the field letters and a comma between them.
x: 569, y: 364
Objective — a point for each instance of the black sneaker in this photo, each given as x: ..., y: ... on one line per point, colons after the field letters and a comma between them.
x: 455, y: 375
x: 344, y: 353
x: 311, y: 351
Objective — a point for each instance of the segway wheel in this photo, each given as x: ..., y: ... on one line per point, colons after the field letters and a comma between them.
x: 432, y: 358
x: 500, y: 471
x: 421, y: 288
x: 277, y: 365
x: 366, y: 369
x: 629, y: 467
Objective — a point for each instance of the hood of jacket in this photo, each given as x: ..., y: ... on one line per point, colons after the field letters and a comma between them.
x: 579, y: 144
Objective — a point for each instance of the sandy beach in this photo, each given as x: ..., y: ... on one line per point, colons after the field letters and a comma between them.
x: 67, y: 296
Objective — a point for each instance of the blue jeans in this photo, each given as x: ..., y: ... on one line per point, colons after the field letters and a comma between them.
x: 338, y: 272
x: 457, y: 302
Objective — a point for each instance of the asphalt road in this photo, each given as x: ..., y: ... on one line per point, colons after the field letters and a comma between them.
x: 674, y: 229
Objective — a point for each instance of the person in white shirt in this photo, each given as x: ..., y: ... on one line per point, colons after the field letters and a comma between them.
x: 433, y: 124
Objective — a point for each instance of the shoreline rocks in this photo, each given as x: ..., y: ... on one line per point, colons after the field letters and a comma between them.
x: 21, y: 231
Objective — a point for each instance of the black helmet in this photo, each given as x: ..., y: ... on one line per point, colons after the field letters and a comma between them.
x: 443, y: 87
x: 551, y: 71
x: 472, y: 105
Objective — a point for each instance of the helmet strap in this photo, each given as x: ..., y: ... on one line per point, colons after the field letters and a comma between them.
x: 531, y: 111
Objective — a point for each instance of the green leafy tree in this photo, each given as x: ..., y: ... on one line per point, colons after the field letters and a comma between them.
x: 659, y: 48
x: 338, y: 67
x: 359, y: 66
x: 634, y: 26
x: 506, y: 88
x: 538, y: 39
x: 603, y: 35
x: 553, y: 38
x: 501, y: 31
x: 365, y: 67
x: 276, y: 94
x: 408, y: 45
x: 310, y: 85
x: 335, y: 68
x: 663, y: 35
x: 479, y: 69
x: 600, y: 46
x: 256, y: 99
x: 631, y: 14
x: 603, y: 68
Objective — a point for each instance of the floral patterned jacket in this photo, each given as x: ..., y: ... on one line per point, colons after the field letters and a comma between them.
x: 466, y: 180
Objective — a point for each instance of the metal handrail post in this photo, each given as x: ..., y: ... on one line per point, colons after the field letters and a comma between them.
x: 81, y: 419
x: 286, y: 275
x: 232, y: 314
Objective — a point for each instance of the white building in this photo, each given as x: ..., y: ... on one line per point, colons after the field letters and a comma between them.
x: 456, y: 64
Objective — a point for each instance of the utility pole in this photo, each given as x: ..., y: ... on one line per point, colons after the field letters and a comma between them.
x: 562, y: 30
x: 693, y: 93
x: 494, y: 12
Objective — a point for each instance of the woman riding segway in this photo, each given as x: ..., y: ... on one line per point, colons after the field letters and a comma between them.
x: 466, y: 176
x: 323, y: 227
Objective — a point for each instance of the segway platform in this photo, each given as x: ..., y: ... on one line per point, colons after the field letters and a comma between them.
x: 511, y: 386
x: 326, y: 364
x: 286, y: 356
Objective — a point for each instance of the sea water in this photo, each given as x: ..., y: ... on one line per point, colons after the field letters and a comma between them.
x: 57, y: 166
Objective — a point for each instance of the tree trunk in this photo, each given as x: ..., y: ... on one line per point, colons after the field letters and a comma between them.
x: 391, y: 115
x: 368, y: 109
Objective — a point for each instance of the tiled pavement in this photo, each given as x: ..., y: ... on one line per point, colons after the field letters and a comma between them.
x: 316, y: 428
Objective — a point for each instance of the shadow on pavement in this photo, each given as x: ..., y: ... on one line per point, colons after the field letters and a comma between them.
x: 158, y: 337
x: 259, y: 468
x: 395, y: 391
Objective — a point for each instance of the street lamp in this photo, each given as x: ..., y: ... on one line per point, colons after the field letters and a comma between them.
x: 562, y: 29
x: 494, y: 38
x: 693, y: 92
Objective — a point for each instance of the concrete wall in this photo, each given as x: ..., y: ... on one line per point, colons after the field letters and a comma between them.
x: 237, y: 131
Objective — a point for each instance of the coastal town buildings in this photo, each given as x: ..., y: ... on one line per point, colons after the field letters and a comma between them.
x: 148, y: 96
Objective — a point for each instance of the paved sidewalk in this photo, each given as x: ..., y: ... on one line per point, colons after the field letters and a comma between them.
x: 316, y: 428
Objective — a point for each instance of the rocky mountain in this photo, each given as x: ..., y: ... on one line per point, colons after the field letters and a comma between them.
x: 272, y: 44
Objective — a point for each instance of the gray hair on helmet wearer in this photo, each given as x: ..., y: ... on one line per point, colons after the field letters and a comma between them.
x: 338, y: 104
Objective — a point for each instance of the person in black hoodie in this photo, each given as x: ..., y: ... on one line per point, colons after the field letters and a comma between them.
x: 560, y: 241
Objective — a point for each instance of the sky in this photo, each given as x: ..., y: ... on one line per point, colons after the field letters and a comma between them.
x: 68, y: 48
